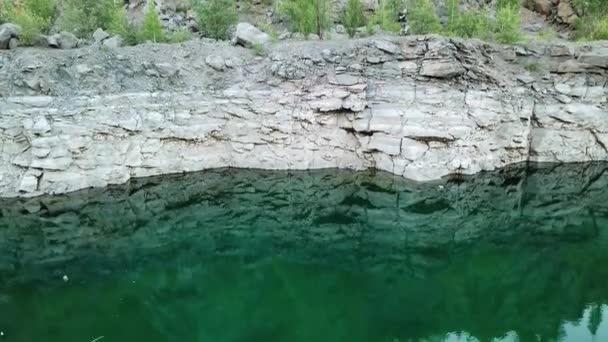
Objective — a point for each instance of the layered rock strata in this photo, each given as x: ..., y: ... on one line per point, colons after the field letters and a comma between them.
x: 418, y: 107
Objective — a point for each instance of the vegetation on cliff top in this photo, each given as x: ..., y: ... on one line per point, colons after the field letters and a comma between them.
x: 216, y: 17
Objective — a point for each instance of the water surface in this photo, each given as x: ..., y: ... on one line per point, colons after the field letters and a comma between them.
x: 241, y: 255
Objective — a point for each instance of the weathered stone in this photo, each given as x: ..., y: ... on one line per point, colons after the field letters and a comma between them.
x: 113, y: 42
x: 566, y: 13
x: 152, y: 110
x: 216, y: 62
x: 248, y: 35
x: 100, y: 35
x: 386, y: 46
x: 13, y: 43
x: 571, y: 66
x: 62, y: 40
x: 441, y: 68
x: 543, y: 6
x: 7, y: 33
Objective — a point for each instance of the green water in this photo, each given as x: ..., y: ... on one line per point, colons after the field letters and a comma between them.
x: 241, y: 255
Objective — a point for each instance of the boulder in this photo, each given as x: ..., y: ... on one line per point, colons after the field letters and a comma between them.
x: 566, y: 13
x: 8, y: 32
x: 62, y: 40
x: 543, y: 6
x: 441, y: 68
x: 100, y: 35
x: 216, y: 62
x: 248, y: 35
x: 13, y: 43
x: 113, y: 43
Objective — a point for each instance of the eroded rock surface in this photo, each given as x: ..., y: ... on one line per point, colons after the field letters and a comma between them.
x: 418, y: 107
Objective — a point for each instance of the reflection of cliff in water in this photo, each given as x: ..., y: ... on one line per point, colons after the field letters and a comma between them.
x: 519, y: 249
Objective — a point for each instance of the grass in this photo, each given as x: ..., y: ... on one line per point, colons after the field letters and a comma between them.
x: 533, y: 67
x: 258, y: 49
x: 269, y: 29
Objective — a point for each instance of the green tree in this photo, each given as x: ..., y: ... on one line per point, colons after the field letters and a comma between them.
x: 353, y: 16
x: 151, y: 28
x: 386, y: 16
x: 507, y: 28
x: 215, y: 17
x: 422, y: 17
x: 308, y: 16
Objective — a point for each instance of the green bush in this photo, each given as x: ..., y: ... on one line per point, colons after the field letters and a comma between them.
x: 151, y: 29
x: 269, y: 29
x: 83, y: 17
x: 43, y: 9
x: 507, y: 27
x: 34, y: 17
x: 591, y: 7
x: 308, y: 16
x: 119, y: 25
x: 353, y: 16
x: 386, y: 17
x: 470, y: 24
x: 422, y: 17
x: 508, y: 3
x: 548, y: 34
x: 258, y: 49
x: 215, y: 17
x: 179, y: 36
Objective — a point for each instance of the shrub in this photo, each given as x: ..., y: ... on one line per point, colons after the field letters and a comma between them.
x: 422, y: 17
x: 274, y: 35
x: 151, y: 28
x: 119, y: 25
x: 507, y: 25
x: 590, y: 7
x: 29, y: 17
x: 533, y: 67
x: 308, y: 16
x: 43, y: 9
x: 600, y: 30
x: 258, y: 49
x: 470, y: 24
x: 179, y: 36
x: 353, y: 16
x: 215, y: 17
x: 547, y: 34
x: 386, y: 16
x: 508, y: 3
x: 83, y: 17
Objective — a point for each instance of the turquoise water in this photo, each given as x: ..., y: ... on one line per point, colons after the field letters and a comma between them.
x: 240, y: 255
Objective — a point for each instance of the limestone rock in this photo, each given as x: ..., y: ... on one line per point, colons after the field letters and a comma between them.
x: 441, y: 68
x: 543, y: 7
x: 62, y: 40
x: 100, y: 35
x: 216, y: 62
x: 113, y: 42
x: 248, y: 35
x: 8, y: 32
x: 566, y: 13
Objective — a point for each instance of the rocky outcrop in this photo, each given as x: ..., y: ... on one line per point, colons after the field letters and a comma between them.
x: 9, y: 36
x: 420, y: 107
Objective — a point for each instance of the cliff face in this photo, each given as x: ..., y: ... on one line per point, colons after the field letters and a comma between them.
x: 419, y: 107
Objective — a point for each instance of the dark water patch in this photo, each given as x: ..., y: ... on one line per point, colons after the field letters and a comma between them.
x: 243, y: 255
